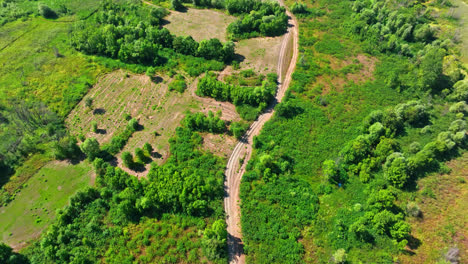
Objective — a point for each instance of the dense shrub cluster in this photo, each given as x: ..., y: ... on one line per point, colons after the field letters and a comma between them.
x: 201, y: 122
x: 377, y: 150
x: 131, y: 33
x: 238, y: 95
x: 256, y: 19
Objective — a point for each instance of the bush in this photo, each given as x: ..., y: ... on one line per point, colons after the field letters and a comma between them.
x: 178, y: 84
x: 299, y: 8
x: 90, y: 148
x: 238, y: 129
x: 127, y: 159
x: 46, y: 11
x: 413, y: 209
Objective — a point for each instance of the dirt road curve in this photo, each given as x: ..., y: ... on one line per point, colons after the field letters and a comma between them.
x: 244, y: 148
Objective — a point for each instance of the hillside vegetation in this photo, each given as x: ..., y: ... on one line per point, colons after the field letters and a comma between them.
x: 359, y: 147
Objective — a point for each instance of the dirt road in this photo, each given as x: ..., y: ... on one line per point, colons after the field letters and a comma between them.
x: 243, y: 149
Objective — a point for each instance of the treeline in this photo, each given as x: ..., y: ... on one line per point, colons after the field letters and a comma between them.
x: 382, y: 26
x: 190, y: 183
x: 407, y: 32
x: 259, y: 96
x: 130, y: 32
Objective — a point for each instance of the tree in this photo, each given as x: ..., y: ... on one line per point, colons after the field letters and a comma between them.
x: 148, y: 148
x: 89, y: 102
x: 67, y: 147
x: 46, y: 11
x: 214, y: 240
x: 140, y: 155
x: 127, y: 159
x: 94, y: 126
x: 396, y: 170
x: 90, y: 148
x: 176, y: 5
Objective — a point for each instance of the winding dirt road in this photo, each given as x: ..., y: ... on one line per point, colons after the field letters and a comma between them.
x: 235, y: 170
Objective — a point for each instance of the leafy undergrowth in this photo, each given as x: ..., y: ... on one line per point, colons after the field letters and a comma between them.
x: 329, y: 136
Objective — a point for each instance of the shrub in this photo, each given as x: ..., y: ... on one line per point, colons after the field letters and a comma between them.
x: 396, y: 170
x: 127, y: 159
x: 46, y: 11
x: 299, y: 8
x: 178, y: 84
x: 413, y: 209
x: 90, y: 148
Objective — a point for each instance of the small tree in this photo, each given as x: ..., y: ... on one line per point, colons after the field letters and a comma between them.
x: 127, y: 159
x: 140, y: 155
x: 46, y: 11
x: 94, y: 127
x: 90, y: 148
x: 148, y: 148
x: 89, y: 102
x: 176, y: 5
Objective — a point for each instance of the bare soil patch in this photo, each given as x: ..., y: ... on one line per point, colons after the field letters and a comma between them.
x: 199, y: 23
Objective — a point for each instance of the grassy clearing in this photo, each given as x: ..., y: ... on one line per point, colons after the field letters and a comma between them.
x: 32, y: 71
x: 444, y: 222
x: 34, y: 207
x: 199, y: 23
x: 260, y: 54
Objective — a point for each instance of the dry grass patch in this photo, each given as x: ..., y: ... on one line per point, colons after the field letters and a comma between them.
x: 358, y: 70
x: 444, y: 223
x: 220, y: 145
x: 199, y: 23
x: 260, y: 54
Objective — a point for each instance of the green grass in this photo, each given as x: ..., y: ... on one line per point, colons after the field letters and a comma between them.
x: 32, y: 71
x: 34, y: 207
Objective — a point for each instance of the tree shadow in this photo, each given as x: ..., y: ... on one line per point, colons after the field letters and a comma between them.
x: 157, y: 79
x: 101, y: 131
x: 413, y: 242
x: 236, y: 247
x: 99, y: 111
x: 156, y: 155
x: 238, y: 57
